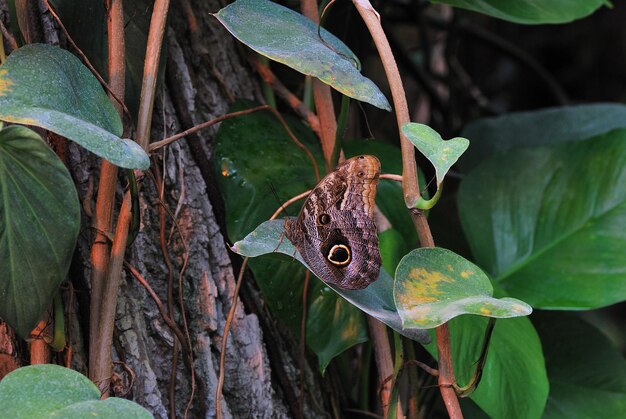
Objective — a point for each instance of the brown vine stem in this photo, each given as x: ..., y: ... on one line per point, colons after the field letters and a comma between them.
x: 151, y: 71
x: 103, y: 217
x: 411, y: 188
x: 384, y: 363
x: 305, y: 289
x: 229, y: 321
x: 294, y: 102
x: 101, y: 375
x: 322, y: 97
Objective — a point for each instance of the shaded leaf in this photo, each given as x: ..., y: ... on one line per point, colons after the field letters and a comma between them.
x: 587, y: 374
x: 52, y: 391
x: 544, y: 127
x: 328, y: 308
x: 48, y: 87
x: 290, y: 38
x: 531, y: 11
x: 514, y: 383
x: 550, y: 223
x: 376, y: 300
x: 433, y: 285
x: 39, y: 224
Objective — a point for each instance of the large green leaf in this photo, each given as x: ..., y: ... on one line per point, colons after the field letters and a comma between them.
x: 514, y: 382
x: 48, y: 87
x: 288, y: 37
x: 376, y: 300
x: 433, y: 285
x: 550, y: 223
x: 51, y: 391
x: 39, y: 224
x: 531, y: 11
x: 587, y: 374
x: 539, y: 128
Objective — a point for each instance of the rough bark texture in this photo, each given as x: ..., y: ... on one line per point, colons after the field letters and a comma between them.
x: 206, y: 70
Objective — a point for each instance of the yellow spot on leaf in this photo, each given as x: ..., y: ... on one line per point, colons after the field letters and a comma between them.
x: 5, y: 83
x: 466, y: 274
x: 422, y: 287
x: 450, y: 268
x: 485, y: 311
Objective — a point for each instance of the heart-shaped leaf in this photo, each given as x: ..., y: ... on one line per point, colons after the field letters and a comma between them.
x: 288, y: 37
x: 48, y: 87
x: 441, y: 153
x: 514, y: 384
x: 550, y: 223
x: 434, y: 285
x: 39, y: 224
x: 531, y: 11
x: 376, y: 300
x: 52, y: 391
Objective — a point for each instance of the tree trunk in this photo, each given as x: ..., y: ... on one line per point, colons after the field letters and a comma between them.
x: 206, y: 70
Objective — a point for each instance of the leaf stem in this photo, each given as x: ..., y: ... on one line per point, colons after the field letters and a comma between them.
x: 411, y: 187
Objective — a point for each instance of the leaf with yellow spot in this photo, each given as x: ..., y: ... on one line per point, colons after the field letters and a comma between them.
x: 441, y: 153
x: 433, y: 285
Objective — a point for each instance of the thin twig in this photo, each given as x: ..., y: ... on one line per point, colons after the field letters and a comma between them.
x: 229, y: 320
x: 296, y: 104
x: 305, y: 289
x: 289, y: 202
x: 158, y: 144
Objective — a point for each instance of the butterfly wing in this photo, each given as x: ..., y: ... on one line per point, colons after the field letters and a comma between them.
x: 335, y: 231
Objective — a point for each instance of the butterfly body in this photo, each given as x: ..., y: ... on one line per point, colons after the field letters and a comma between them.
x: 335, y: 232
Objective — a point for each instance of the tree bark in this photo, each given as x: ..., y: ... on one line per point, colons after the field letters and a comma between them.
x: 206, y: 70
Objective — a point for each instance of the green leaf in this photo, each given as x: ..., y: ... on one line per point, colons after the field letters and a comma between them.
x: 514, y: 383
x: 539, y: 128
x: 83, y: 20
x: 441, y: 154
x: 327, y: 309
x: 376, y: 300
x: 48, y: 87
x: 39, y: 224
x: 587, y: 374
x: 550, y: 223
x: 434, y: 285
x: 531, y: 11
x: 51, y: 391
x: 288, y: 37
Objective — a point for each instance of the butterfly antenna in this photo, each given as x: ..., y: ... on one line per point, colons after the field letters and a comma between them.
x: 277, y: 199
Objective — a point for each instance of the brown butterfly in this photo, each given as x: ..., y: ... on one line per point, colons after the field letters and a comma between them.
x: 335, y: 232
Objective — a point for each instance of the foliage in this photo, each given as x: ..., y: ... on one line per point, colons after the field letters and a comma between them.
x: 539, y: 202
x: 52, y: 391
